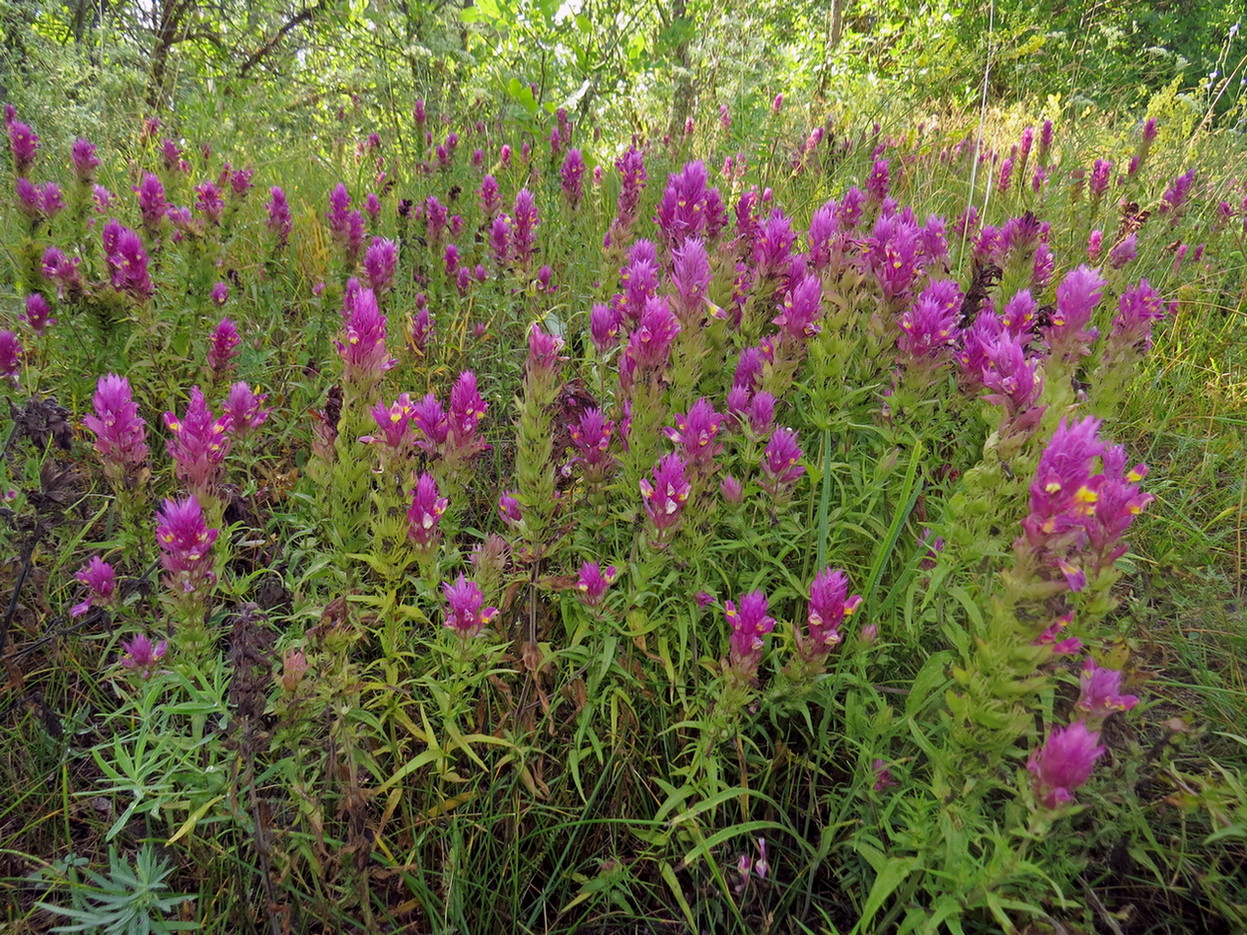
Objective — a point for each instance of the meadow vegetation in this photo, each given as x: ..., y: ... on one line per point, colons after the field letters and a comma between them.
x: 505, y: 484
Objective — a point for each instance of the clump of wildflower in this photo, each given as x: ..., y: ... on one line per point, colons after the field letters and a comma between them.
x: 242, y: 410
x: 199, y: 444
x: 208, y: 202
x: 101, y: 582
x: 463, y: 612
x: 749, y: 624
x: 141, y: 655
x: 667, y: 494
x: 120, y: 437
x: 1064, y: 763
x: 185, y: 543
x: 830, y: 604
x: 593, y: 581
x: 425, y: 513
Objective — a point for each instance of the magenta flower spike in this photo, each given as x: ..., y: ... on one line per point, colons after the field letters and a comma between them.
x: 1177, y: 195
x: 591, y: 436
x: 749, y: 623
x: 779, y: 461
x: 279, y: 223
x: 1100, y: 694
x: 363, y: 350
x: 152, y: 204
x: 209, y: 203
x: 24, y: 144
x: 593, y: 582
x: 883, y: 775
x: 510, y: 510
x: 38, y: 313
x: 380, y: 262
x: 772, y: 246
x: 467, y: 407
x: 1118, y: 502
x: 1064, y: 763
x: 120, y: 437
x: 1100, y: 176
x: 1137, y: 310
x: 490, y: 197
x: 393, y: 422
x: 101, y: 582
x: 372, y: 207
x: 803, y: 306
x: 649, y: 344
x: 1076, y: 298
x: 430, y: 421
x: 220, y: 293
x: 604, y: 326
x: 242, y: 410
x: 829, y: 605
x: 731, y: 489
x: 572, y: 176
x: 463, y: 612
x: 199, y: 444
x: 1013, y: 379
x: 1124, y: 251
x: 185, y: 543
x: 929, y: 328
x: 223, y: 347
x: 127, y: 261
x: 1066, y: 485
x: 879, y: 182
x: 524, y: 217
x: 543, y: 353
x: 425, y: 513
x: 141, y: 655
x: 1019, y: 315
x: 667, y: 494
x: 694, y: 435
x: 690, y: 274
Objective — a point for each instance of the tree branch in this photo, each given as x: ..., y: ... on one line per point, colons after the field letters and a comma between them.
x: 303, y: 16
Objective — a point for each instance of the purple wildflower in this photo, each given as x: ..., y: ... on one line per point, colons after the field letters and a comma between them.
x: 199, y: 444
x: 220, y: 293
x: 120, y: 437
x: 141, y: 655
x: 780, y: 461
x: 694, y: 435
x: 463, y: 612
x: 380, y: 262
x: 101, y: 582
x: 185, y: 543
x: 803, y: 305
x: 1099, y: 693
x: 223, y: 347
x: 929, y: 327
x: 363, y: 350
x: 425, y: 513
x: 242, y: 410
x: 1064, y: 763
x: 666, y: 495
x: 593, y: 582
x: 23, y: 143
x: 279, y: 223
x: 524, y: 216
x: 749, y: 624
x: 38, y: 313
x: 572, y: 176
x: 830, y: 603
